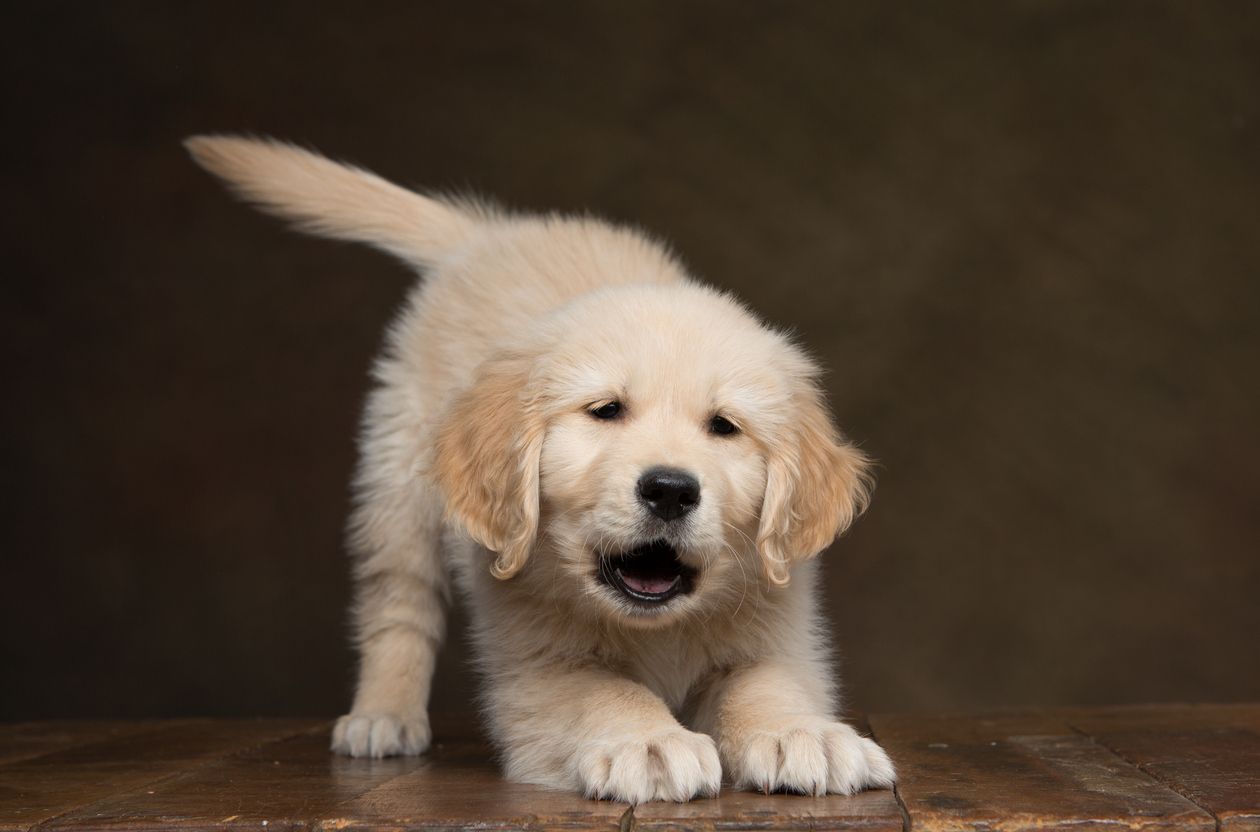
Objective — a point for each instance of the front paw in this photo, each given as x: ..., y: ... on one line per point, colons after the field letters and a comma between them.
x: 381, y: 735
x: 809, y: 757
x: 673, y: 765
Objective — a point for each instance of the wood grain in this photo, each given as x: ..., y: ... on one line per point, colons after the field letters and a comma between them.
x: 1141, y: 768
x: 1209, y: 753
x: 20, y: 740
x: 297, y: 783
x: 1022, y: 771
x: 37, y: 789
x: 870, y: 811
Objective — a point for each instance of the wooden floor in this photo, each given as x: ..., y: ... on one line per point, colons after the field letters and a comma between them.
x: 1147, y: 767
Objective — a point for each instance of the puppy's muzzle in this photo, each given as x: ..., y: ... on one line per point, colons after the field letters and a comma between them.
x: 669, y: 493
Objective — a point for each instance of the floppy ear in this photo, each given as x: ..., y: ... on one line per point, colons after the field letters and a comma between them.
x: 487, y: 457
x: 816, y: 486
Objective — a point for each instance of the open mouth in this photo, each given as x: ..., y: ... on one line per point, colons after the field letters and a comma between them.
x: 648, y: 574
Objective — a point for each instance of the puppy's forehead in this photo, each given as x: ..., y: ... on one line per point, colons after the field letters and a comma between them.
x: 681, y: 340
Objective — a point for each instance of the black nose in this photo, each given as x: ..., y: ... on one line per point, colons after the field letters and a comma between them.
x: 668, y: 492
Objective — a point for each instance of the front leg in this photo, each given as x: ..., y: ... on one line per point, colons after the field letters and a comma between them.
x: 776, y: 732
x: 592, y: 731
x: 399, y: 620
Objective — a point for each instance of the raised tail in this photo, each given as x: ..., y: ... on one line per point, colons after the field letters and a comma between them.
x: 330, y: 199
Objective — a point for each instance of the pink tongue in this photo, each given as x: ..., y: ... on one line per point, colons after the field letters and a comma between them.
x: 650, y: 585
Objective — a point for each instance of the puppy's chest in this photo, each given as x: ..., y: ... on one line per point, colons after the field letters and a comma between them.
x: 669, y: 668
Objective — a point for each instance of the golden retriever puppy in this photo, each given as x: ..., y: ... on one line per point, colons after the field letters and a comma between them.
x: 624, y: 473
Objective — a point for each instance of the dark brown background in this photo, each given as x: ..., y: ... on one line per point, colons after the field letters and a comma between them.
x: 1025, y: 237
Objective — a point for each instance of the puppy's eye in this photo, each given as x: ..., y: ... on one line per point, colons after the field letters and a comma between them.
x: 722, y: 426
x: 607, y: 411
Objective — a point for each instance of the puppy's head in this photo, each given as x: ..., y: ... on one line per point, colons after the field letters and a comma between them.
x: 658, y: 445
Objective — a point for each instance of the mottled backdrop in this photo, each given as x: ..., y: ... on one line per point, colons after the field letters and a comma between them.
x: 1024, y: 237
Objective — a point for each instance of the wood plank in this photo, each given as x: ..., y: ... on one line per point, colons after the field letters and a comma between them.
x: 462, y: 789
x: 1022, y: 771
x: 297, y: 783
x: 1014, y: 771
x: 872, y: 811
x: 20, y: 740
x: 37, y: 789
x: 1209, y: 753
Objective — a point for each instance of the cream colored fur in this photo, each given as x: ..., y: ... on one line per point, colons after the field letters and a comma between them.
x: 481, y: 464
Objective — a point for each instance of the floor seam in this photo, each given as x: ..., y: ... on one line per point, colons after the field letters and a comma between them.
x: 1172, y: 786
x: 896, y: 789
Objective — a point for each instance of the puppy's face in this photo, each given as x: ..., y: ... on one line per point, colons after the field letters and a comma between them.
x: 659, y: 452
x: 651, y: 471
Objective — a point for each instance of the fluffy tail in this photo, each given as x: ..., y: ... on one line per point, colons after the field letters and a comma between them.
x: 324, y: 197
